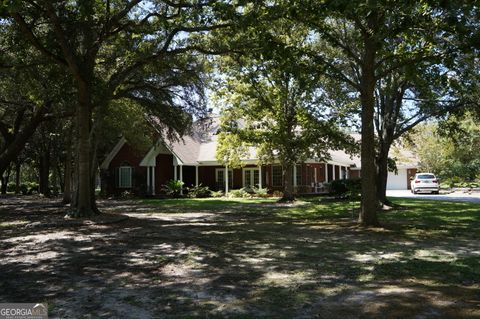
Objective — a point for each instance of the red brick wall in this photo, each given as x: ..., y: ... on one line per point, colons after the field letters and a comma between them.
x: 126, y: 156
x: 337, y: 172
x: 206, y: 176
x: 355, y: 173
x: 163, y: 170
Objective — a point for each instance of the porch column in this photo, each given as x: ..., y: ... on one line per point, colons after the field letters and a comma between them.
x: 196, y: 175
x: 148, y: 179
x: 260, y: 176
x: 326, y: 173
x: 294, y: 177
x: 347, y: 172
x: 226, y: 179
x: 153, y: 180
x: 174, y: 172
x: 181, y: 178
x: 333, y: 172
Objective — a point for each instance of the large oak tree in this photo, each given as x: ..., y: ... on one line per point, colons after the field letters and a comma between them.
x: 136, y: 50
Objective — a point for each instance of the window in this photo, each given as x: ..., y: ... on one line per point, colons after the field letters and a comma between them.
x: 125, y: 176
x: 251, y: 177
x: 277, y: 176
x: 220, y: 177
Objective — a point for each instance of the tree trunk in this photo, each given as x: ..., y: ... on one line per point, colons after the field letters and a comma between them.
x: 94, y: 165
x: 12, y: 151
x: 287, y: 184
x: 55, y: 178
x: 67, y: 184
x: 382, y: 174
x: 18, y: 166
x: 84, y: 205
x: 369, y: 206
x: 44, y: 172
x: 59, y: 174
x: 5, y: 178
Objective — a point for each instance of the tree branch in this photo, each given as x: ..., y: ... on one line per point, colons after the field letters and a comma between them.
x: 28, y: 33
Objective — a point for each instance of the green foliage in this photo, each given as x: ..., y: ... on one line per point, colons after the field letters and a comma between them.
x: 345, y: 188
x: 260, y: 192
x: 217, y: 194
x: 199, y: 191
x: 277, y: 193
x: 449, y: 150
x: 127, y: 195
x: 29, y: 188
x: 239, y: 193
x: 173, y: 188
x: 271, y: 100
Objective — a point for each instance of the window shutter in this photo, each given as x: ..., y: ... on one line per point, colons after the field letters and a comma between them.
x: 132, y: 171
x: 117, y: 177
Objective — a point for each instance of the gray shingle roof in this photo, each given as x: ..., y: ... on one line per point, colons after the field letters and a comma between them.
x: 200, y: 147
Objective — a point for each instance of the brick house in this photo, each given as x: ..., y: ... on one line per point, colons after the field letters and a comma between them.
x: 192, y: 160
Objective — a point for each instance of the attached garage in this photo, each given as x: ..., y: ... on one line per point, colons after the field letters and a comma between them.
x: 397, y: 181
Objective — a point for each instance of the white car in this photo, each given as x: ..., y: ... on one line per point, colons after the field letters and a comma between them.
x: 425, y: 182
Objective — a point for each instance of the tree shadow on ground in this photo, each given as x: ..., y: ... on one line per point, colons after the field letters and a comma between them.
x: 239, y: 262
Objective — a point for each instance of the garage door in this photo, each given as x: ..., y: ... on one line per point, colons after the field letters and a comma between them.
x: 398, y: 181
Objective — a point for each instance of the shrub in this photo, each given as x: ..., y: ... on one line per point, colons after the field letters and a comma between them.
x: 260, y: 192
x: 354, y: 188
x: 11, y: 187
x: 239, y: 193
x: 173, y: 188
x: 345, y: 187
x: 248, y: 189
x: 126, y: 195
x: 32, y: 187
x: 199, y: 192
x: 277, y: 194
x: 337, y: 188
x: 217, y: 194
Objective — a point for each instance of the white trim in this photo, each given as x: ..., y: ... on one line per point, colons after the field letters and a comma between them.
x: 153, y: 180
x: 157, y: 149
x: 223, y: 170
x: 148, y: 178
x: 106, y: 162
x: 295, y: 176
x: 176, y: 160
x: 260, y: 176
x: 252, y: 174
x: 150, y: 158
x: 226, y: 175
x: 129, y: 182
x: 181, y: 179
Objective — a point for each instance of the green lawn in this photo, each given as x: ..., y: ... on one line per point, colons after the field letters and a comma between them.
x: 424, y: 246
x: 247, y: 258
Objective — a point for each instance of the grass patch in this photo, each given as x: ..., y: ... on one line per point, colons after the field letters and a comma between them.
x: 253, y: 258
x: 189, y: 204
